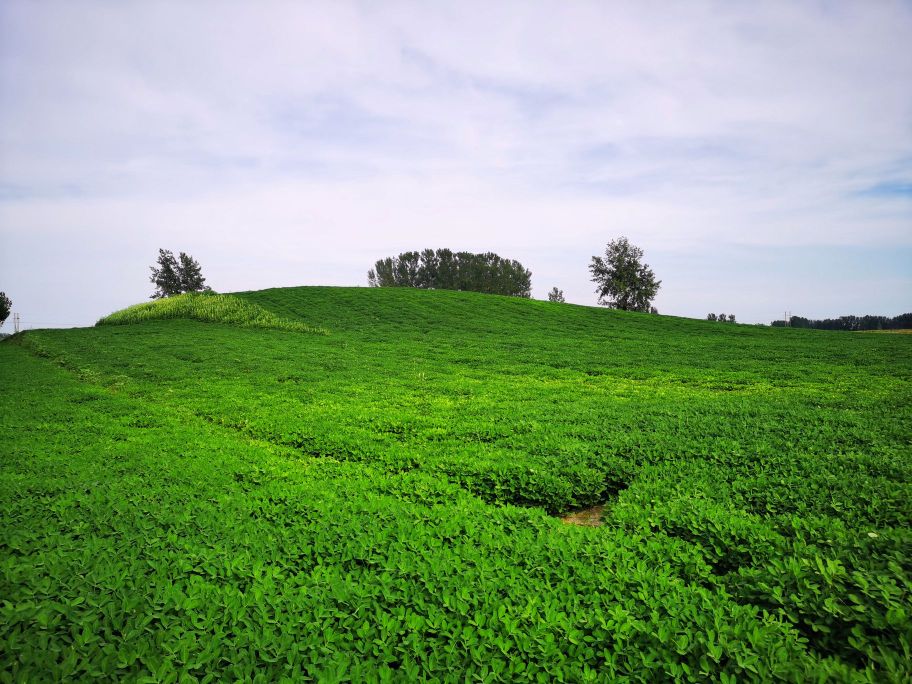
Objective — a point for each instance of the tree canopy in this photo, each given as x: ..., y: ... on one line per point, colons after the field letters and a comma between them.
x: 623, y: 280
x: 6, y: 304
x: 721, y: 318
x: 901, y: 322
x: 556, y: 295
x: 172, y: 276
x: 444, y: 269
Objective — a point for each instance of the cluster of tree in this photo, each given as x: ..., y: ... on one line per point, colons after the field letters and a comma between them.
x: 903, y: 321
x: 172, y: 276
x: 721, y: 318
x: 623, y: 281
x: 444, y: 269
x: 6, y: 304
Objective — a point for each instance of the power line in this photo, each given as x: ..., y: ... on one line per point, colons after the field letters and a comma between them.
x: 19, y: 324
x: 52, y: 323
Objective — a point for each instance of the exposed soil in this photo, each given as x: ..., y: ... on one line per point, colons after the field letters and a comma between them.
x: 588, y: 517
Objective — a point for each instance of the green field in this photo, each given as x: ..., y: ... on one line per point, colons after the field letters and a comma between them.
x: 352, y: 484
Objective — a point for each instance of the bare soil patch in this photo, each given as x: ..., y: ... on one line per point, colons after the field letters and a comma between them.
x: 587, y: 517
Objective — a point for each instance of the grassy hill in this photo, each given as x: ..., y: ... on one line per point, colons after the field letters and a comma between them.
x: 183, y: 497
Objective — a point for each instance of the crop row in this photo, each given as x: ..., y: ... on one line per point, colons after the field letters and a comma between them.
x: 211, y: 501
x: 254, y: 566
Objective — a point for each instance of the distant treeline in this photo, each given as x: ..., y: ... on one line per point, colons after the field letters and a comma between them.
x: 444, y: 269
x: 850, y: 322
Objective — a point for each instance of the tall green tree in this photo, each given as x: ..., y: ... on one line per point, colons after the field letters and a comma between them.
x: 190, y: 274
x: 165, y: 275
x: 172, y: 276
x: 6, y: 304
x: 623, y: 281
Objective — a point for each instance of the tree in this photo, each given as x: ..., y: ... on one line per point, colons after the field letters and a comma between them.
x: 5, y: 305
x: 722, y: 318
x: 711, y: 317
x: 556, y: 295
x: 190, y: 274
x: 175, y: 276
x: 166, y: 277
x: 623, y: 280
x: 731, y: 318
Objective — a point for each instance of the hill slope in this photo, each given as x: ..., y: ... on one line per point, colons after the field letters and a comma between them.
x: 346, y: 504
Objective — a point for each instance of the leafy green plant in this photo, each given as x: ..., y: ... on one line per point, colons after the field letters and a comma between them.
x: 232, y: 502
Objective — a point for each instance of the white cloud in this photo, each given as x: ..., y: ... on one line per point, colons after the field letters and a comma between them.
x: 296, y: 142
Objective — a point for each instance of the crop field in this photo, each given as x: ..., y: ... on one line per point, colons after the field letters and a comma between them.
x: 352, y: 484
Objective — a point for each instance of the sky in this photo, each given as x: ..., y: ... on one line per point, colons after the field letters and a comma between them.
x: 759, y: 153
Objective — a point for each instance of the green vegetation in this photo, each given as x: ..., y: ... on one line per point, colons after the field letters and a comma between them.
x: 854, y: 323
x: 173, y: 276
x: 209, y: 308
x: 622, y: 280
x: 197, y: 500
x: 6, y: 304
x: 444, y: 269
x: 721, y: 318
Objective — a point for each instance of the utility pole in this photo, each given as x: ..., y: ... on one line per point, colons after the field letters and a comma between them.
x: 16, y: 322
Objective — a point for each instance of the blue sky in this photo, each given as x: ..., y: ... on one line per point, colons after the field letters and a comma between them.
x: 760, y: 153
